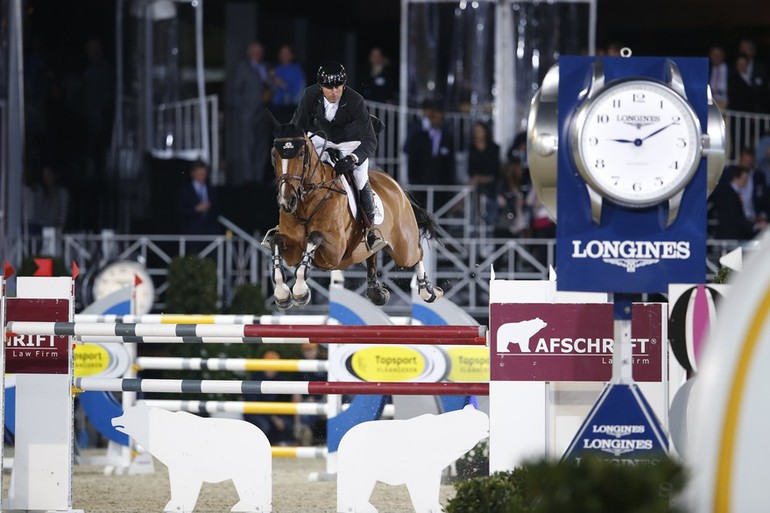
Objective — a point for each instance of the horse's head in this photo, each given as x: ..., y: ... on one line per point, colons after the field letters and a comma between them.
x: 292, y: 153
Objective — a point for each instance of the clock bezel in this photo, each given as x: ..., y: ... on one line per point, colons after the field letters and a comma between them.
x: 138, y: 269
x: 578, y: 125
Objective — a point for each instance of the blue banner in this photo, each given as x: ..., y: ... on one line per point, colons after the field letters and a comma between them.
x: 630, y: 249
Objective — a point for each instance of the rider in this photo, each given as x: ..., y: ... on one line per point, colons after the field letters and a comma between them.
x: 340, y: 114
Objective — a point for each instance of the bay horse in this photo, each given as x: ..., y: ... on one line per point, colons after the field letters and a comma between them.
x: 316, y: 225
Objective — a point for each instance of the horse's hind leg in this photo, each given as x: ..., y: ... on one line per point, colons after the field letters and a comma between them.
x: 425, y: 288
x: 281, y: 292
x: 375, y: 291
x: 300, y: 291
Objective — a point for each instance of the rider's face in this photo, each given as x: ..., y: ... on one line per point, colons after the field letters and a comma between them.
x: 332, y: 94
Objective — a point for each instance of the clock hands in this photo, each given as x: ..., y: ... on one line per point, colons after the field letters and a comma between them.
x: 638, y: 141
x: 659, y: 130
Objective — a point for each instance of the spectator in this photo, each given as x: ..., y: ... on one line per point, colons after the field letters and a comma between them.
x: 251, y: 94
x: 731, y: 219
x: 279, y: 429
x: 432, y: 153
x: 419, y: 125
x: 740, y: 89
x: 47, y: 203
x: 757, y: 73
x: 484, y: 168
x: 378, y: 85
x: 513, y: 217
x: 754, y: 196
x: 718, y: 73
x: 93, y: 107
x: 198, y: 203
x: 288, y: 82
x: 432, y: 157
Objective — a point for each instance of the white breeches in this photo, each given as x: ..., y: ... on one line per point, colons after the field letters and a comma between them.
x: 361, y: 171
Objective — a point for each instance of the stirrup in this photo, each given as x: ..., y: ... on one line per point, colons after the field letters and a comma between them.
x: 267, y: 239
x: 376, y: 243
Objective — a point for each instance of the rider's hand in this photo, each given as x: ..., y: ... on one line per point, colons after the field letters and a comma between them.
x: 344, y: 166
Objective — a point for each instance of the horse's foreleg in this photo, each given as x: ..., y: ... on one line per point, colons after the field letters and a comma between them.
x: 281, y: 292
x: 375, y: 291
x: 300, y: 291
x: 425, y: 288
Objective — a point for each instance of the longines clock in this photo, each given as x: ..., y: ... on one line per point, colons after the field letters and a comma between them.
x: 635, y: 145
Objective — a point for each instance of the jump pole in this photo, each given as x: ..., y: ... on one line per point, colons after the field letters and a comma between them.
x: 203, y: 386
x: 406, y: 334
x: 230, y: 364
x: 253, y: 407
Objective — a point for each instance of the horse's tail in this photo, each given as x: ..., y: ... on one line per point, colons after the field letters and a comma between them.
x: 425, y: 220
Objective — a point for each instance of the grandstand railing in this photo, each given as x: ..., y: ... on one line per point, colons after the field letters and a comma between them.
x: 460, y: 262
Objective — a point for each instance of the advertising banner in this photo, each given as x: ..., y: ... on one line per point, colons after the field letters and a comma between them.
x: 570, y: 341
x: 37, y: 354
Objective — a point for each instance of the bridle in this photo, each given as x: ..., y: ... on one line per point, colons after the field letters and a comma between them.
x: 302, y: 185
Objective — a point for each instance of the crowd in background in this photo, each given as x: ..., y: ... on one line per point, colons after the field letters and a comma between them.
x: 262, y: 88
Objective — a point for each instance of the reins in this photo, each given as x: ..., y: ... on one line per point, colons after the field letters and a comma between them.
x: 302, y: 189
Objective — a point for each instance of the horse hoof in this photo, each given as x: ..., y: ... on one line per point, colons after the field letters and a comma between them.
x: 430, y: 294
x: 302, y: 301
x: 378, y: 295
x: 284, y: 304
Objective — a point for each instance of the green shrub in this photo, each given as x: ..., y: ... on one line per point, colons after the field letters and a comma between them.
x: 594, y: 486
x: 247, y: 300
x: 723, y: 275
x: 475, y: 463
x: 192, y: 286
x: 29, y: 267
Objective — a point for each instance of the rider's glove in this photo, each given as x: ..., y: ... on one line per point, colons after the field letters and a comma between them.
x: 346, y: 165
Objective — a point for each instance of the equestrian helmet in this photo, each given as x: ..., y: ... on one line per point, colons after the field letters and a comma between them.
x: 332, y: 74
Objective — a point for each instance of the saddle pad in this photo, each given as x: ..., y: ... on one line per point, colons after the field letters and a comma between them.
x: 379, y: 210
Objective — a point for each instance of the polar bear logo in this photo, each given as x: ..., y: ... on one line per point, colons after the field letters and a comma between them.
x: 518, y: 333
x: 411, y: 452
x: 200, y: 450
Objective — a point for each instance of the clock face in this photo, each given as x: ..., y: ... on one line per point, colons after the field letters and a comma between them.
x: 121, y: 274
x: 637, y: 143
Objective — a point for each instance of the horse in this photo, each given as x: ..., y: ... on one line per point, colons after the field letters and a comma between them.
x: 316, y: 225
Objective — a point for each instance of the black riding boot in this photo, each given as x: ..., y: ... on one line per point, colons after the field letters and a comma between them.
x: 373, y: 241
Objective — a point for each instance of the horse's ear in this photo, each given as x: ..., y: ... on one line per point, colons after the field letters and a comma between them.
x: 274, y: 123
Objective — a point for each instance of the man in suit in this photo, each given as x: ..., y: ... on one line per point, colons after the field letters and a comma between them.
x: 341, y: 114
x: 197, y: 203
x: 432, y: 157
x: 732, y: 221
x: 251, y: 93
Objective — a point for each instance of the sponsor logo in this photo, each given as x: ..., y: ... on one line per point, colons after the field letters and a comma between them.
x: 638, y: 120
x: 522, y: 334
x: 616, y: 446
x: 288, y: 145
x: 618, y: 430
x: 631, y: 254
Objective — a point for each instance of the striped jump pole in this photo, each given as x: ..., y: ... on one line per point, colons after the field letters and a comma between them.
x: 202, y: 386
x: 299, y: 452
x: 323, y: 334
x: 324, y: 331
x: 230, y: 364
x: 252, y: 407
x: 112, y: 339
x: 216, y: 319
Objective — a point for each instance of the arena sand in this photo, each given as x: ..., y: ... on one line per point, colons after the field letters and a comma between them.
x: 95, y: 492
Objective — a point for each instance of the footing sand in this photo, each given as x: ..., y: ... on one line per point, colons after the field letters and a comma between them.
x: 95, y: 492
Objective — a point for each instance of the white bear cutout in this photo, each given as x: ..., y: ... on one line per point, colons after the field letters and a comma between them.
x: 518, y: 333
x: 411, y: 452
x: 200, y: 450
